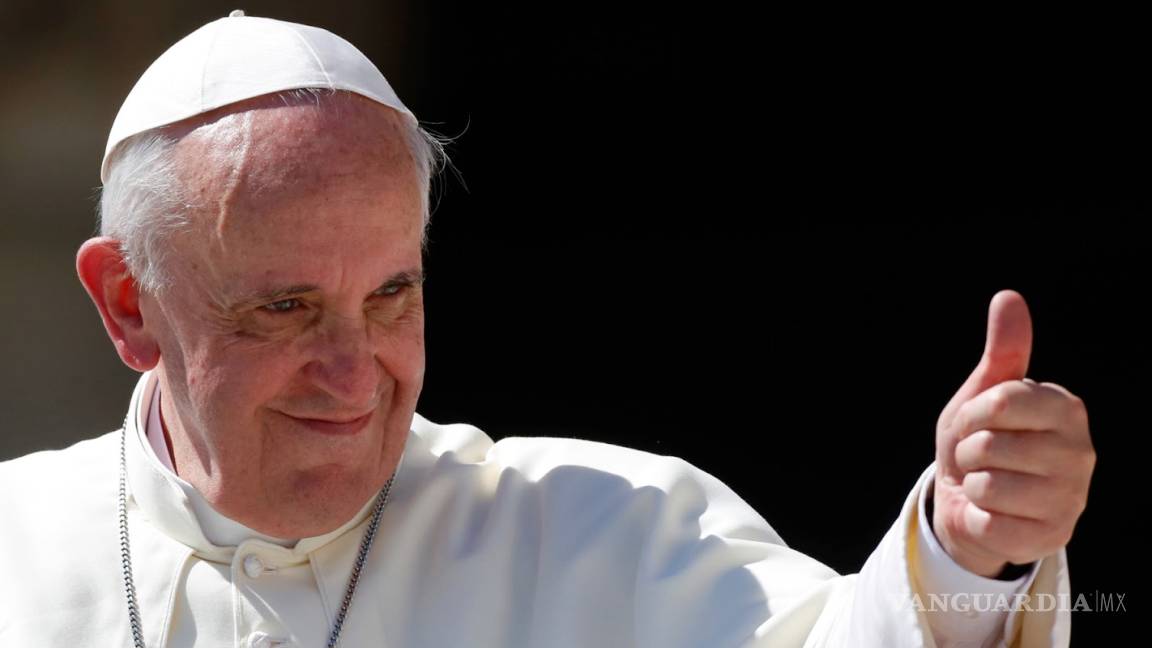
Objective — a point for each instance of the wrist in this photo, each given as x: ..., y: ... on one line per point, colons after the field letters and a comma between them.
x: 988, y: 567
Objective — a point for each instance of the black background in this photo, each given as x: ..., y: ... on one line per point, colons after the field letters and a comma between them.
x: 764, y: 242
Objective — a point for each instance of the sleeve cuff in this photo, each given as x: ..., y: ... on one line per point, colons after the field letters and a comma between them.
x: 960, y: 605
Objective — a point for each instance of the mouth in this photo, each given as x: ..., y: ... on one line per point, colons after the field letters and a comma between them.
x: 334, y: 427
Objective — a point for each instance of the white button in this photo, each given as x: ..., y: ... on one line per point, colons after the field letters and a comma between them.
x: 236, y: 13
x: 253, y: 566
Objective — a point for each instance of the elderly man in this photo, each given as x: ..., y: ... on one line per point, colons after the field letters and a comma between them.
x: 263, y: 216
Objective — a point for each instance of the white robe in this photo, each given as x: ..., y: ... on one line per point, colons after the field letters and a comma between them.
x: 529, y: 542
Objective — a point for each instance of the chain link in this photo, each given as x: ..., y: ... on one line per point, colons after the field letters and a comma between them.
x: 126, y: 555
x: 125, y: 550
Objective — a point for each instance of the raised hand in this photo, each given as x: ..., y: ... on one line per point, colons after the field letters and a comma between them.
x: 1014, y: 457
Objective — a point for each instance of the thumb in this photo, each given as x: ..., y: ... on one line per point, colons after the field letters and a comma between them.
x: 1007, y: 349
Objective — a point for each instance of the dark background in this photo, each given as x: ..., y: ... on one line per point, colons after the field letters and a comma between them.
x: 764, y: 243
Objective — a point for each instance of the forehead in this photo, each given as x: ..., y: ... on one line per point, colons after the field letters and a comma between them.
x: 270, y: 149
x: 274, y: 187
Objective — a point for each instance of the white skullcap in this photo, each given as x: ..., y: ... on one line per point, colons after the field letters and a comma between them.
x: 237, y: 58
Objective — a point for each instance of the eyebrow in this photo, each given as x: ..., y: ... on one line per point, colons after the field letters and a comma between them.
x: 277, y: 293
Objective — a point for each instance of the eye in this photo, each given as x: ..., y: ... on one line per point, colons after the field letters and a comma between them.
x: 390, y: 290
x: 282, y: 306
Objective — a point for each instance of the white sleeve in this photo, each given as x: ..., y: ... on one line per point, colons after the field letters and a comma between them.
x: 646, y: 551
x: 963, y: 608
x: 810, y: 606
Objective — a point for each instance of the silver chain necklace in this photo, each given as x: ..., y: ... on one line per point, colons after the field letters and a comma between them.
x: 126, y: 555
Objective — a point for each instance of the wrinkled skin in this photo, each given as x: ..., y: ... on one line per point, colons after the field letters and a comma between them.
x: 1014, y: 457
x: 289, y: 344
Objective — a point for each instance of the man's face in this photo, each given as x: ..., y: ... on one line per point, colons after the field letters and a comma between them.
x: 292, y: 336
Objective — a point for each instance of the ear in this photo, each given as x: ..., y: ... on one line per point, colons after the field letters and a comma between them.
x: 105, y: 276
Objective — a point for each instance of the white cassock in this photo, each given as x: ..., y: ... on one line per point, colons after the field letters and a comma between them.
x: 529, y: 542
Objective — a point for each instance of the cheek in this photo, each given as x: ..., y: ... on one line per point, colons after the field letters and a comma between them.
x: 232, y: 384
x: 400, y: 349
x: 407, y: 364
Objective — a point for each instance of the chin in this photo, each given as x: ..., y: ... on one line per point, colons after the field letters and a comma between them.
x: 324, y: 498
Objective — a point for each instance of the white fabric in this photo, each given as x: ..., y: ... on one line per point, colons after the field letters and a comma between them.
x: 529, y: 542
x: 237, y: 58
x: 939, y: 574
x: 982, y: 625
x: 155, y: 432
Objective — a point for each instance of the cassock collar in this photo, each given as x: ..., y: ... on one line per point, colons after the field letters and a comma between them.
x: 174, y: 506
x: 219, y: 529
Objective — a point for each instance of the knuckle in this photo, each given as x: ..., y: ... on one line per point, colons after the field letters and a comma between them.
x: 975, y: 450
x: 1077, y: 410
x: 1064, y: 500
x: 1067, y: 509
x: 1077, y: 459
x: 964, y: 416
x: 999, y: 400
x: 977, y: 528
x: 978, y: 487
x: 984, y: 444
x: 1057, y: 387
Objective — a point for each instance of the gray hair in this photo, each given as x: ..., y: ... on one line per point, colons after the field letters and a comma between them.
x: 143, y: 202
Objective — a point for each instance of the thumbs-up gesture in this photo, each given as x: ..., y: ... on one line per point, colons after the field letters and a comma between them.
x: 1013, y: 457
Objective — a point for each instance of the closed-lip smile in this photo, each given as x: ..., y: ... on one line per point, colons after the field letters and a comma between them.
x: 338, y: 427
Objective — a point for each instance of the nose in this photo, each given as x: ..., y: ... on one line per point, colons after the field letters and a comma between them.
x: 345, y: 365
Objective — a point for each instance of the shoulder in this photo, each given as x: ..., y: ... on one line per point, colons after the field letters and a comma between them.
x: 582, y: 475
x: 52, y: 472
x: 535, y: 457
x: 50, y: 494
x: 58, y: 551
